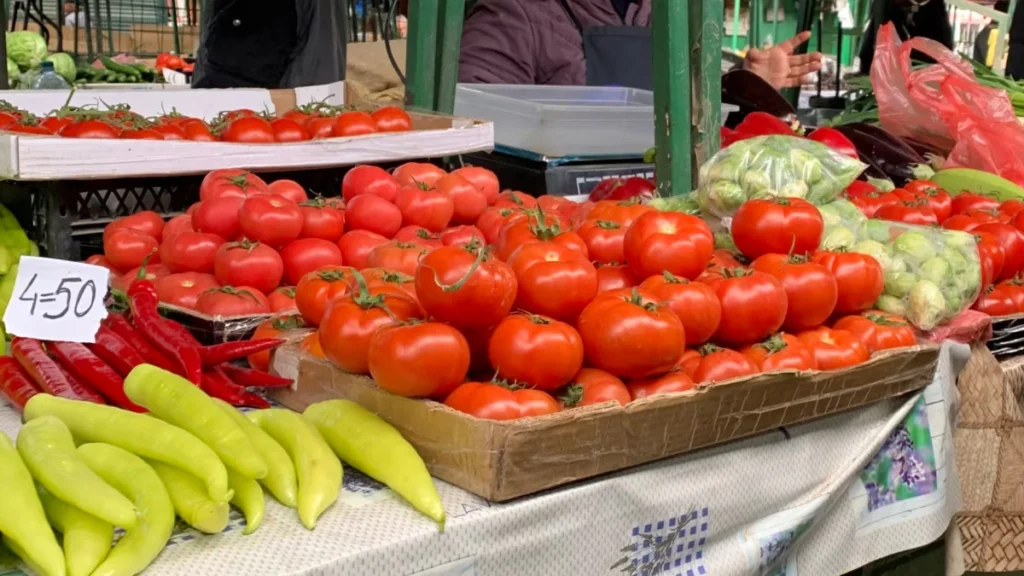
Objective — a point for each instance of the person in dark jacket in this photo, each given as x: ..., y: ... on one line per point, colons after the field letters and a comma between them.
x: 588, y: 42
x: 912, y: 18
x: 985, y: 41
x: 1015, y: 56
x: 271, y: 44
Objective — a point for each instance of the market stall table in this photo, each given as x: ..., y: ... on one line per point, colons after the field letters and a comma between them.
x: 822, y: 498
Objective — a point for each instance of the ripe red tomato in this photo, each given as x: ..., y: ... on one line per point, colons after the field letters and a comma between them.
x: 869, y: 203
x: 147, y: 221
x: 375, y: 214
x: 991, y: 257
x: 493, y: 401
x: 1011, y: 207
x: 917, y: 212
x: 835, y: 349
x: 430, y: 209
x: 170, y: 132
x: 272, y: 220
x: 218, y: 216
x: 353, y: 123
x: 384, y: 277
x: 198, y: 132
x: 462, y: 235
x: 878, y: 330
x: 494, y: 219
x: 288, y: 130
x: 248, y: 264
x: 369, y: 179
x: 554, y: 280
x: 249, y: 130
x: 272, y: 329
x: 467, y: 200
x: 938, y: 199
x: 52, y: 123
x: 419, y: 235
x: 858, y: 276
x: 289, y: 189
x: 721, y: 364
x: 614, y: 277
x: 391, y: 119
x: 321, y: 221
x: 538, y: 227
x: 320, y: 127
x: 777, y: 225
x: 282, y: 299
x: 997, y: 300
x: 127, y: 248
x: 967, y: 201
x: 781, y: 352
x: 397, y: 256
x: 229, y: 301
x: 591, y: 386
x: 311, y: 345
x: 535, y: 350
x: 350, y: 322
x: 630, y: 188
x: 177, y: 225
x: 514, y: 199
x: 671, y: 383
x: 190, y: 252
x: 231, y: 182
x: 24, y: 128
x: 424, y: 359
x: 1011, y: 240
x: 754, y: 305
x: 465, y: 287
x: 90, y: 129
x: 654, y: 334
x: 695, y: 303
x: 418, y: 174
x: 811, y: 290
x: 316, y: 289
x: 624, y: 212
x: 144, y: 134
x: 306, y: 255
x: 672, y: 241
x: 356, y: 245
x: 153, y: 273
x: 967, y: 223
x: 604, y: 240
x: 484, y: 180
x: 101, y: 260
x: 183, y: 289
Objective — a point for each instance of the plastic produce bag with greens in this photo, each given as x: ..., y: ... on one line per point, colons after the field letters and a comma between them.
x: 781, y: 166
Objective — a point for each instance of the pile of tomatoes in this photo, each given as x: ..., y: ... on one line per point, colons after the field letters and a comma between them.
x: 174, y: 62
x: 998, y: 227
x: 503, y: 305
x: 313, y: 122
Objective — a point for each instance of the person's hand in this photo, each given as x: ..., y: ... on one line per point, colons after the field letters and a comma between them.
x: 778, y: 66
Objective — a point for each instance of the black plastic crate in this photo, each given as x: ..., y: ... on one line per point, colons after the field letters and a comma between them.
x: 1007, y: 337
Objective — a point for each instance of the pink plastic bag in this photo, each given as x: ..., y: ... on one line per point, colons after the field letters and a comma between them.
x: 942, y: 105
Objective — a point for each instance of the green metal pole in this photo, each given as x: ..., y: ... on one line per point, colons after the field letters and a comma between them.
x: 775, y: 22
x: 735, y: 24
x: 754, y: 38
x: 421, y: 55
x: 671, y: 43
x: 453, y: 12
x: 706, y: 36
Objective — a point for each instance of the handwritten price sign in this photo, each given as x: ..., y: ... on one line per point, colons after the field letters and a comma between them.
x: 57, y: 300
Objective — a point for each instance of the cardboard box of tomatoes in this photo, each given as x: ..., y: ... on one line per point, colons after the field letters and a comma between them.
x: 29, y: 154
x: 501, y: 460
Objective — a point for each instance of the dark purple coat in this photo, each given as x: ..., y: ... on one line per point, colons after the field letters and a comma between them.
x: 534, y: 41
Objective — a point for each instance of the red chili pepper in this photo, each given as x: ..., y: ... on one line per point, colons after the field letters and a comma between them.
x: 217, y: 384
x: 763, y: 124
x: 48, y: 374
x: 253, y: 378
x: 835, y: 140
x: 113, y: 350
x: 15, y: 385
x: 143, y: 300
x: 87, y: 367
x: 120, y: 326
x: 220, y: 353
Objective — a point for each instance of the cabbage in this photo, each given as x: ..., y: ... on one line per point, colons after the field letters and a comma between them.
x: 12, y: 71
x: 63, y: 65
x: 26, y: 48
x: 936, y: 270
x: 891, y: 304
x: 878, y: 251
x: 927, y: 305
x: 838, y: 238
x: 915, y: 246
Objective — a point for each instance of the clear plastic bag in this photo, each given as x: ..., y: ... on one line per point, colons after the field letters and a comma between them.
x: 780, y: 166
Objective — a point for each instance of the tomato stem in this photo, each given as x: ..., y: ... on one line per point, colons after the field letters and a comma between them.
x: 573, y: 395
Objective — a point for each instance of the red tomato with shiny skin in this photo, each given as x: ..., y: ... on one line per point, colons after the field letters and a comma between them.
x: 148, y: 222
x: 90, y: 129
x: 190, y: 252
x: 591, y: 386
x: 102, y: 261
x: 870, y: 202
x: 500, y: 402
x: 835, y: 349
x: 289, y: 189
x: 614, y: 277
x: 494, y: 219
x: 321, y: 221
x: 419, y: 235
x: 1012, y: 241
x: 184, y: 288
x: 626, y: 333
x: 537, y: 351
x: 55, y: 123
x: 228, y: 301
x: 917, y: 213
x: 991, y: 257
x: 777, y: 226
x: 144, y: 134
x: 306, y: 255
x: 605, y: 240
x: 431, y: 209
x: 350, y: 322
x: 353, y: 123
x: 127, y: 248
x: 320, y: 127
x: 721, y: 364
x: 369, y: 179
x: 391, y: 119
x: 672, y: 241
x: 249, y: 130
x: 198, y: 132
x: 781, y: 352
x: 967, y: 201
x: 248, y: 264
x: 938, y: 199
x: 356, y: 245
x: 554, y: 280
x: 811, y: 289
x: 967, y: 223
x: 231, y: 182
x: 858, y: 276
x: 397, y: 256
x: 997, y: 300
x: 466, y: 287
x: 375, y: 214
x: 272, y: 220
x: 418, y: 174
x: 467, y: 200
x: 170, y: 132
x: 878, y: 330
x: 24, y: 128
x: 383, y: 277
x: 514, y: 199
x: 316, y: 289
x: 282, y: 299
x: 688, y: 361
x: 695, y: 303
x: 624, y: 212
x: 538, y: 227
x: 754, y: 305
x: 287, y: 130
x: 424, y: 359
x: 670, y: 383
x: 462, y: 235
x: 484, y: 180
x: 177, y: 225
x: 272, y: 329
x: 153, y: 272
x: 219, y: 216
x: 1011, y: 207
